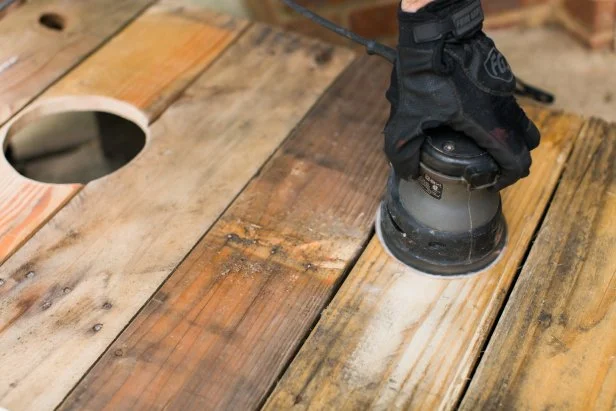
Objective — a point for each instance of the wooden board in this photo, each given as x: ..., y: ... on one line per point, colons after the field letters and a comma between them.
x: 222, y: 329
x: 76, y: 284
x: 395, y: 339
x: 555, y: 345
x: 7, y: 6
x: 147, y: 65
x: 32, y: 56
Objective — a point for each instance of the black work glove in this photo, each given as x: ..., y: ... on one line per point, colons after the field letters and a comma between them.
x: 449, y: 73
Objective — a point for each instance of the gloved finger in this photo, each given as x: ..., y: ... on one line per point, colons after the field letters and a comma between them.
x: 506, y: 147
x: 405, y: 156
x: 531, y: 134
x: 513, y: 169
x: 514, y: 119
x: 393, y: 94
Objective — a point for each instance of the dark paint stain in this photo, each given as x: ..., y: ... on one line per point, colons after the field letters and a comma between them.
x: 23, y: 305
x: 292, y: 46
x: 21, y: 273
x: 324, y: 56
x: 236, y: 239
x: 262, y: 36
x: 220, y: 331
x: 68, y: 240
x: 545, y: 319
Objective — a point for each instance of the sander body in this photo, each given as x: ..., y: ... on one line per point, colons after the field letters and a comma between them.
x: 448, y: 221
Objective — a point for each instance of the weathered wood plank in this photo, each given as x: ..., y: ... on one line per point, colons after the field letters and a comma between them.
x: 555, y: 344
x: 96, y: 263
x: 33, y: 57
x: 395, y: 339
x: 221, y: 330
x: 147, y: 65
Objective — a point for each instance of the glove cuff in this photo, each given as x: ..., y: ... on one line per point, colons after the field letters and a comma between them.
x: 438, y: 19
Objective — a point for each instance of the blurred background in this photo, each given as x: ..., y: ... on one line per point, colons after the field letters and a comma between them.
x: 566, y: 46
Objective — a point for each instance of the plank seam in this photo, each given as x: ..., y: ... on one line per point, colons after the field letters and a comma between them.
x: 334, y: 292
x: 85, y: 57
x: 172, y: 101
x: 258, y: 172
x: 514, y: 282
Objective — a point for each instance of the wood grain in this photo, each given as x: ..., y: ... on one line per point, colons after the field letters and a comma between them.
x: 395, y: 339
x: 221, y: 330
x: 147, y: 65
x: 33, y: 57
x: 555, y: 344
x: 76, y: 284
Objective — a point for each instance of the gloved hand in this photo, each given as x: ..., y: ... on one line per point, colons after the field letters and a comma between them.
x: 448, y: 72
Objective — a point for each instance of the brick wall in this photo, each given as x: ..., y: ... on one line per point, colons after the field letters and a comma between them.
x: 591, y: 20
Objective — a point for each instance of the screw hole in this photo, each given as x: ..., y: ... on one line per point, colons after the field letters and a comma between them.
x: 52, y: 21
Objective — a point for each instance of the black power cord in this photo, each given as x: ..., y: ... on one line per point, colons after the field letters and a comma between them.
x: 372, y: 46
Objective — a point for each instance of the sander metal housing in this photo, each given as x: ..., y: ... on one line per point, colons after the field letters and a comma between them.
x: 447, y: 222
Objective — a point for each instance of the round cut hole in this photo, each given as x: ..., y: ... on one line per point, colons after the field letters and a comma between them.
x: 73, y: 146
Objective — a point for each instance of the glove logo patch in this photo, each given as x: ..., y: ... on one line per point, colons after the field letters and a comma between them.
x: 497, y: 67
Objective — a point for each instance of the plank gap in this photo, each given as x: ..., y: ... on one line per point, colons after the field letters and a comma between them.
x: 78, y: 63
x: 329, y: 300
x: 510, y: 290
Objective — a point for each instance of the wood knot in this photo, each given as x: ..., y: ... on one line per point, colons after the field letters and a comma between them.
x: 97, y: 327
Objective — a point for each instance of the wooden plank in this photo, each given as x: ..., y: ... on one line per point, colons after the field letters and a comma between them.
x: 96, y: 263
x: 221, y: 330
x: 395, y: 339
x: 7, y: 6
x: 555, y: 345
x: 32, y: 56
x: 147, y: 65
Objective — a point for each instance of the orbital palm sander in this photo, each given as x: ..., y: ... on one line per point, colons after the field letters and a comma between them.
x: 448, y: 221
